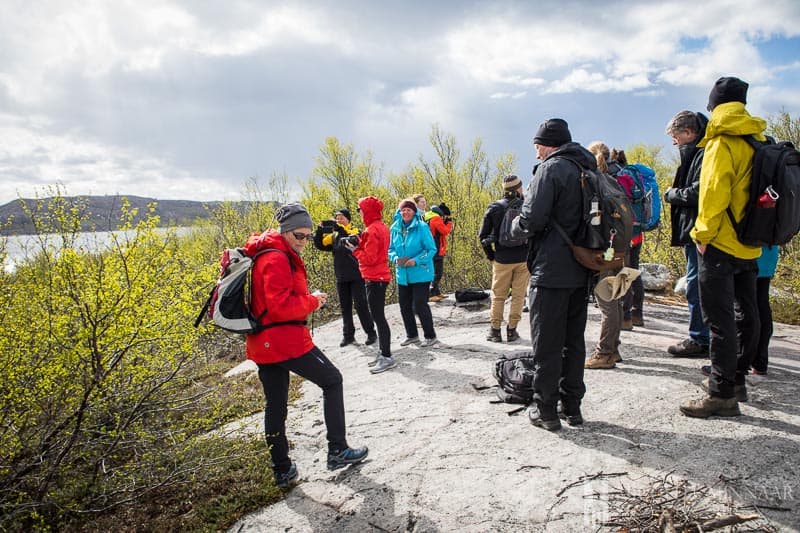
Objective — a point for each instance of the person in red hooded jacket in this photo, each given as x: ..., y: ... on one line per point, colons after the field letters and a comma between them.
x: 372, y: 253
x: 280, y: 287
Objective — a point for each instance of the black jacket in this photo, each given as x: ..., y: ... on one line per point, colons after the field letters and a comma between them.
x: 554, y: 193
x: 490, y: 230
x: 682, y: 197
x: 345, y: 266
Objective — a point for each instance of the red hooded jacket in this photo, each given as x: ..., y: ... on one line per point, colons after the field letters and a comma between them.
x: 282, y: 290
x: 373, y: 247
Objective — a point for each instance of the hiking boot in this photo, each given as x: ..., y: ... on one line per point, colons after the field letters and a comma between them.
x: 615, y: 357
x: 637, y: 320
x: 494, y: 335
x: 627, y: 324
x: 348, y: 456
x: 383, y: 364
x: 511, y: 334
x: 429, y: 342
x: 757, y: 372
x: 601, y: 360
x: 549, y: 423
x: 410, y: 340
x: 705, y: 370
x: 283, y: 480
x: 740, y: 391
x: 346, y: 341
x: 572, y: 415
x: 688, y: 348
x: 710, y: 406
x: 436, y: 298
x: 371, y: 339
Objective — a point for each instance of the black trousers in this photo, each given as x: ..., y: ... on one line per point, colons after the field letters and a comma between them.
x: 761, y: 357
x: 413, y: 298
x: 725, y: 280
x: 376, y: 299
x: 438, y: 272
x: 558, y: 322
x: 353, y: 293
x: 318, y: 369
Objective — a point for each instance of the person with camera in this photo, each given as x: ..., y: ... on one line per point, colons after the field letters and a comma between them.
x: 441, y: 224
x: 333, y: 236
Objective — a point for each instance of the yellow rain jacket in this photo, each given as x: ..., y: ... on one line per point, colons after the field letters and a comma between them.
x: 725, y: 178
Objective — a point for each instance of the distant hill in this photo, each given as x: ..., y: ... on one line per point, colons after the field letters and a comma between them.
x: 104, y: 212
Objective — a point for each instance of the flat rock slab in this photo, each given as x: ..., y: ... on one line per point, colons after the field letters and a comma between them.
x: 444, y: 458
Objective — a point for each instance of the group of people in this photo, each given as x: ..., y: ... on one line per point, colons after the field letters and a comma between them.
x: 724, y: 298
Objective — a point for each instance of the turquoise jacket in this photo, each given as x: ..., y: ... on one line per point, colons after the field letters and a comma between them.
x: 412, y: 241
x: 768, y: 261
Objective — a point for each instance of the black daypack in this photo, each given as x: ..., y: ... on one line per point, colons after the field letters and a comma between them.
x: 471, y: 294
x: 504, y: 235
x: 772, y: 213
x: 606, y: 226
x: 514, y: 375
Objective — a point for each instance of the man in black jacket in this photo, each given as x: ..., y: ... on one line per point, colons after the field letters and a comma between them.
x: 332, y: 236
x: 558, y: 294
x: 686, y: 129
x: 509, y: 270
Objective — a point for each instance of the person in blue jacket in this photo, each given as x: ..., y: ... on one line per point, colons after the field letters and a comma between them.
x: 411, y: 251
x: 766, y: 270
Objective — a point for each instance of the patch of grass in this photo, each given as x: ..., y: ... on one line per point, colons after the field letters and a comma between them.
x: 785, y: 311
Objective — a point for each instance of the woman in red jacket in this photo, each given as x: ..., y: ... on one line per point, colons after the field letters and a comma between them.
x: 373, y: 261
x: 280, y: 294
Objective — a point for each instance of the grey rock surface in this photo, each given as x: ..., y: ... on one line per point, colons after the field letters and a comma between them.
x: 655, y: 277
x: 444, y: 458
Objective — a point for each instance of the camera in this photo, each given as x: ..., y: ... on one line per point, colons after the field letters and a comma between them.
x: 328, y: 224
x: 352, y: 239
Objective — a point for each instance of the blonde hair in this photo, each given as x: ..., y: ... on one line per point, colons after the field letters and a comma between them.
x: 601, y: 154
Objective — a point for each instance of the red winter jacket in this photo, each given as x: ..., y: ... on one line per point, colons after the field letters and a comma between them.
x: 373, y: 247
x: 283, y: 290
x: 440, y: 230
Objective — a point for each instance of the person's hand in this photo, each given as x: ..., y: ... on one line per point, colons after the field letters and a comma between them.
x: 701, y: 248
x: 322, y: 298
x: 410, y: 263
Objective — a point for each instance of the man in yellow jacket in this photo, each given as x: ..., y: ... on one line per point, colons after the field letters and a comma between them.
x: 727, y: 268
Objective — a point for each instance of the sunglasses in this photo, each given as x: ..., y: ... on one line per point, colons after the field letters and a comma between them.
x: 302, y: 236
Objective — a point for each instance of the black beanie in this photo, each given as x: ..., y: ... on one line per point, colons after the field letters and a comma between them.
x: 344, y: 211
x: 444, y: 209
x: 552, y: 132
x: 727, y: 90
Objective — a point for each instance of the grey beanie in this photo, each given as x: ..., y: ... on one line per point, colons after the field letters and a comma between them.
x: 293, y: 216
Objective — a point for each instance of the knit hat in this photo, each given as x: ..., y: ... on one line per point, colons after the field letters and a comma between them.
x: 345, y: 212
x: 553, y: 132
x: 511, y: 182
x: 725, y: 90
x: 444, y: 209
x: 293, y: 216
x: 407, y: 203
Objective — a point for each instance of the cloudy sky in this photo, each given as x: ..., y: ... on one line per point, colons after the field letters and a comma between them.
x: 189, y: 99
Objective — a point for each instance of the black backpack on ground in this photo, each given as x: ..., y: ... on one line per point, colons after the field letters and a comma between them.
x: 772, y: 213
x: 471, y: 294
x: 514, y: 375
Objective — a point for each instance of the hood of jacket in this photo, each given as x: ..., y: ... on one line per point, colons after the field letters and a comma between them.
x: 732, y: 118
x: 269, y: 239
x: 371, y: 208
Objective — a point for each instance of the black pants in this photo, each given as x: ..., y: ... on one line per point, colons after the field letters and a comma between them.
x: 353, y: 293
x: 376, y: 299
x: 413, y: 298
x: 438, y: 272
x: 558, y: 322
x: 318, y: 369
x: 725, y: 280
x: 761, y: 357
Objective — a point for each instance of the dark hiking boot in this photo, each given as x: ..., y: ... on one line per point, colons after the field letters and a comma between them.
x: 283, y: 480
x: 627, y: 324
x: 740, y: 391
x: 494, y: 335
x: 710, y: 406
x: 371, y: 338
x: 511, y: 334
x: 637, y: 320
x: 348, y: 456
x: 571, y: 414
x: 346, y: 341
x: 688, y: 348
x: 538, y: 419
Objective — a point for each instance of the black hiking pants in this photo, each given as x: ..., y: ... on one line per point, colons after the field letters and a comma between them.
x: 352, y: 293
x: 376, y: 298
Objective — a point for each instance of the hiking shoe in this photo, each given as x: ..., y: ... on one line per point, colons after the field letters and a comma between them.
x: 601, y: 360
x: 383, y: 364
x: 637, y: 320
x: 348, y: 456
x: 572, y: 416
x: 494, y: 335
x: 511, y: 334
x: 688, y: 348
x: 757, y: 372
x: 710, y: 406
x: 627, y: 325
x: 740, y: 391
x: 346, y: 341
x: 436, y: 298
x: 375, y: 361
x: 429, y: 342
x: 283, y: 480
x: 410, y: 340
x: 705, y: 370
x: 371, y: 339
x: 535, y: 418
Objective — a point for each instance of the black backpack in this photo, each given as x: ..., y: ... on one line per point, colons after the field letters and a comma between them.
x: 772, y: 213
x: 514, y: 375
x: 471, y: 294
x: 512, y: 211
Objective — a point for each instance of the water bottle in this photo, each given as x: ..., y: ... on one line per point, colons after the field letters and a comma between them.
x: 595, y: 211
